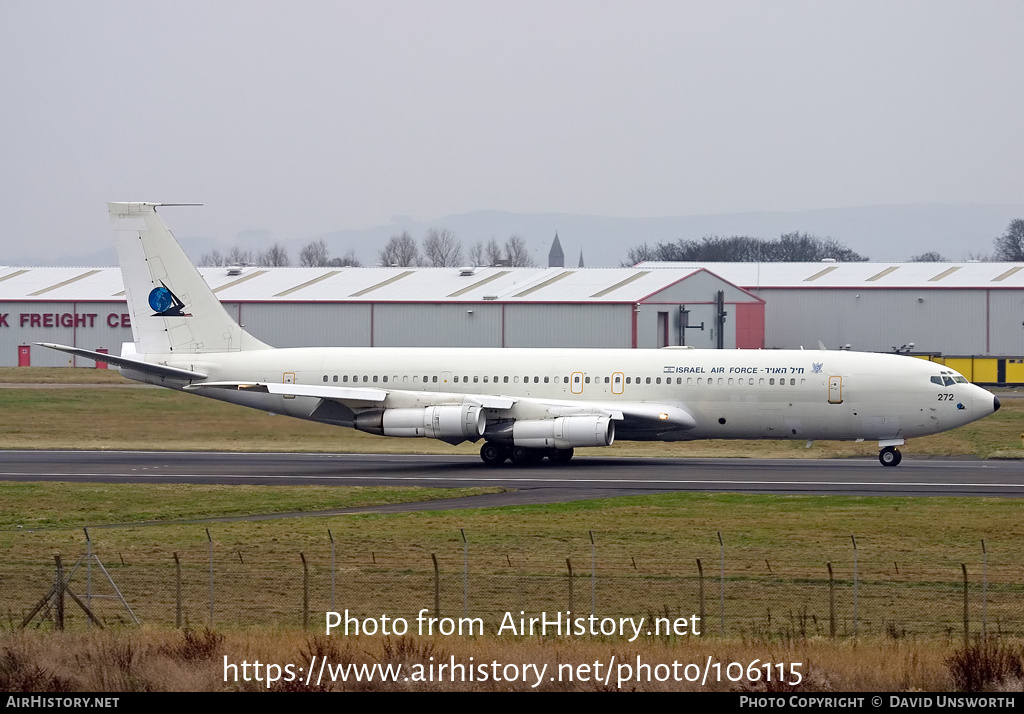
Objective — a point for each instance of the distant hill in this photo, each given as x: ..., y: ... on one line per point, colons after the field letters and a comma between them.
x: 883, y: 233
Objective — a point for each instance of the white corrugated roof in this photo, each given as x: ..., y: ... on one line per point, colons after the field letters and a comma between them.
x: 860, y: 275
x: 363, y: 284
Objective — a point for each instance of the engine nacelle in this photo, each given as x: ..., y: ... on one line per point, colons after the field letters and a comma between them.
x: 455, y: 423
x: 564, y: 432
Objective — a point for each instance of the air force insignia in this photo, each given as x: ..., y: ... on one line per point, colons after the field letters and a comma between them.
x: 816, y: 367
x: 165, y: 303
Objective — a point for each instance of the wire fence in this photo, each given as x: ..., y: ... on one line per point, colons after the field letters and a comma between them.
x: 734, y: 591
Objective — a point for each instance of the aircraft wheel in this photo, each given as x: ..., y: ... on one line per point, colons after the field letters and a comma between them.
x: 493, y: 455
x: 521, y: 456
x: 890, y: 456
x: 560, y: 456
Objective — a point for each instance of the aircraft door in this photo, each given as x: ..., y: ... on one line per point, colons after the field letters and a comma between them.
x: 576, y: 383
x: 617, y: 383
x: 835, y: 390
x: 288, y: 378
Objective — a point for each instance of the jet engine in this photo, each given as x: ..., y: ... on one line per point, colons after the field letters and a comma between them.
x: 564, y: 432
x: 454, y: 424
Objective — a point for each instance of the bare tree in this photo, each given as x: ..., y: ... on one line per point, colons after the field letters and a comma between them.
x: 400, y: 250
x: 516, y: 253
x: 476, y: 254
x: 348, y: 260
x: 274, y: 257
x: 313, y: 255
x: 930, y: 256
x: 238, y: 256
x: 212, y: 259
x: 441, y: 249
x: 639, y: 254
x: 492, y: 252
x: 1009, y: 247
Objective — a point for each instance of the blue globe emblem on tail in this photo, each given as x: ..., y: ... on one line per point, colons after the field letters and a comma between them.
x: 160, y: 299
x: 165, y: 303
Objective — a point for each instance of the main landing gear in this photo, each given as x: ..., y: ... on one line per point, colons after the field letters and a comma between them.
x: 890, y: 456
x: 494, y: 455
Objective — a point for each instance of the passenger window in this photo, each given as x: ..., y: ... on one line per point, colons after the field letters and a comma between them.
x: 505, y: 380
x: 475, y: 379
x: 374, y: 378
x: 565, y: 380
x: 546, y: 380
x: 628, y: 380
x: 658, y: 380
x: 485, y: 379
x: 587, y: 380
x: 771, y: 381
x: 648, y: 380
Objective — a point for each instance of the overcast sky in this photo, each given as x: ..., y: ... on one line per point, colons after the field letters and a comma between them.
x: 308, y: 117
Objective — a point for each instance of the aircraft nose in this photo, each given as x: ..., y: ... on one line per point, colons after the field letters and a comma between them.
x: 995, y: 404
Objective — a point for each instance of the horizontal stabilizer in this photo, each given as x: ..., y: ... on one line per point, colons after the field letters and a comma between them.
x: 159, y: 370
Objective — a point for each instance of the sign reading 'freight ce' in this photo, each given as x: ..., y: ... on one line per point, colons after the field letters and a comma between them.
x: 66, y: 319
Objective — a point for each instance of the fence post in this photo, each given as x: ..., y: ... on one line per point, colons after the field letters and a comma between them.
x: 88, y: 573
x: 333, y: 569
x: 831, y: 603
x: 59, y: 587
x: 568, y: 566
x: 967, y: 623
x: 209, y: 546
x: 305, y: 592
x: 721, y: 584
x: 593, y: 574
x: 437, y: 587
x: 177, y: 592
x: 700, y: 590
x: 855, y: 613
x: 465, y: 573
x: 984, y: 590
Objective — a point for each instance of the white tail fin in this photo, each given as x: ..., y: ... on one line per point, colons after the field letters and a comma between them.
x: 173, y: 309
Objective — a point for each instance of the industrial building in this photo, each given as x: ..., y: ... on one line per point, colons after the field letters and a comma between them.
x: 970, y: 315
x: 398, y: 307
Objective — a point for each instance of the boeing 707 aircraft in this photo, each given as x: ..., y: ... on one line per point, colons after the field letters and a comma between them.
x: 525, y: 404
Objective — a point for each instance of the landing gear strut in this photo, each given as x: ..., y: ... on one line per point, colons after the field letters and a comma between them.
x: 890, y: 456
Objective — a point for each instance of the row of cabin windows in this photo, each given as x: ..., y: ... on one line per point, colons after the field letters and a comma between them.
x: 565, y: 380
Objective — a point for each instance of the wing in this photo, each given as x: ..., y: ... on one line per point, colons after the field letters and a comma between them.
x: 456, y: 416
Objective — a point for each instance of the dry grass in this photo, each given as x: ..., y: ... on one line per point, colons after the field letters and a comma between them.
x: 169, y: 660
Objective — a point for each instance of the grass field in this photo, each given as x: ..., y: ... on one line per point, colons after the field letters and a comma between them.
x: 644, y: 555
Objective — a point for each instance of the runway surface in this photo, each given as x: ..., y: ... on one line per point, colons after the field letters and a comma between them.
x: 584, y: 478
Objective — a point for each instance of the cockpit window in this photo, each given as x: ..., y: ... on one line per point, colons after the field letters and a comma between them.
x: 960, y: 380
x: 937, y: 380
x: 948, y: 381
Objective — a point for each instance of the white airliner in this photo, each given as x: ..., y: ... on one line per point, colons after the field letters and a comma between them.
x: 526, y: 404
